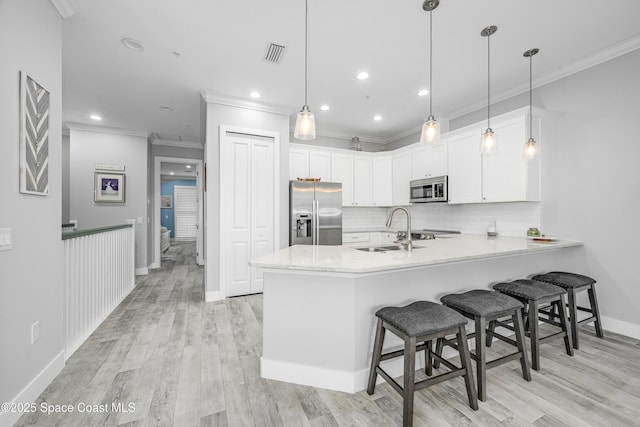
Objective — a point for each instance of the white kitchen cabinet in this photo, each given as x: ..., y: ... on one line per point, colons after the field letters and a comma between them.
x: 320, y: 165
x: 356, y: 239
x: 504, y: 176
x: 401, y: 177
x: 298, y: 163
x: 342, y: 171
x: 362, y: 184
x: 304, y: 163
x: 429, y: 160
x: 381, y: 180
x: 507, y: 176
x: 465, y: 167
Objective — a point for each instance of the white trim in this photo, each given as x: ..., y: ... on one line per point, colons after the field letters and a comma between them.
x: 222, y: 137
x: 65, y: 8
x: 211, y: 98
x: 179, y: 144
x: 211, y: 296
x: 157, y: 165
x: 142, y: 271
x: 105, y: 129
x: 587, y: 62
x: 32, y: 390
x: 621, y: 327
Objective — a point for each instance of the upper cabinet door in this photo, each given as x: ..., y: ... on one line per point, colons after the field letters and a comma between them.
x: 342, y: 171
x: 429, y: 160
x: 382, y: 181
x: 465, y: 167
x: 506, y: 175
x: 363, y: 186
x: 320, y: 165
x: 298, y: 163
x: 401, y: 178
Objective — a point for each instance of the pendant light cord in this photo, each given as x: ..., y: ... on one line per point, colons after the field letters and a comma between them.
x: 431, y: 63
x: 306, y: 32
x: 530, y: 96
x: 489, y: 81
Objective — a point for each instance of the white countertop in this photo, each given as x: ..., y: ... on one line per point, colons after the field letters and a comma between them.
x: 443, y: 250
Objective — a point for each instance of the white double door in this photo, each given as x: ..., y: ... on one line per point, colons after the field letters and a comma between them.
x: 249, y: 184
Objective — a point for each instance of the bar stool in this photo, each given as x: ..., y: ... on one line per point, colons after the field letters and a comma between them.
x: 420, y: 322
x: 534, y: 295
x: 481, y: 306
x: 574, y: 283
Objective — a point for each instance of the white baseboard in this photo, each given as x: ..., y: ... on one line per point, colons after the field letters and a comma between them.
x: 142, y: 271
x: 31, y: 392
x: 308, y: 375
x: 621, y: 327
x: 211, y: 296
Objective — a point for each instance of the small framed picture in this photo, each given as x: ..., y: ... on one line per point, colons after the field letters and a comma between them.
x: 109, y: 187
x: 166, y: 201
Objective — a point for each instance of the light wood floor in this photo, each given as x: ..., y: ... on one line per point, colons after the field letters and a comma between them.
x: 187, y: 363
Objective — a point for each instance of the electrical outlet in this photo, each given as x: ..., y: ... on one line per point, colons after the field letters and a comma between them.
x: 35, y: 332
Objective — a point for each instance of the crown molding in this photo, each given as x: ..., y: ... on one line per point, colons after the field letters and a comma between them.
x: 65, y: 8
x: 104, y: 129
x: 212, y: 98
x: 179, y: 144
x: 626, y: 46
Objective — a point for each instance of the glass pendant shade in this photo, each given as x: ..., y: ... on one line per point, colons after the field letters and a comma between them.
x: 531, y: 150
x: 430, y: 130
x: 489, y: 143
x: 305, y: 125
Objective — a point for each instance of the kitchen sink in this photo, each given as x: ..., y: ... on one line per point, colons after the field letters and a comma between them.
x: 385, y: 248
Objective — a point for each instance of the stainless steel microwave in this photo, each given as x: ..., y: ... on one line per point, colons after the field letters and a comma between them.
x: 428, y: 190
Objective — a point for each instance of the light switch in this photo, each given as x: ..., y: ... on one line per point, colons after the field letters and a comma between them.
x: 5, y: 239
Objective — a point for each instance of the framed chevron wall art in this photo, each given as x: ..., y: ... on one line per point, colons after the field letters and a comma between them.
x: 34, y: 137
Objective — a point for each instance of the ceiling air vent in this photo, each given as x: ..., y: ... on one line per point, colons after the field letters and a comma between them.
x: 275, y: 51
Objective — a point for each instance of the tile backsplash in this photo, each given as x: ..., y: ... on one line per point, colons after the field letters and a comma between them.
x: 511, y: 219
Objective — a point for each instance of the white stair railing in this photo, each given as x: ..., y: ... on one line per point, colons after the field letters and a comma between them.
x: 98, y: 273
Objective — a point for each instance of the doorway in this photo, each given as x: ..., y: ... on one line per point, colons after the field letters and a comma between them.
x: 171, y: 172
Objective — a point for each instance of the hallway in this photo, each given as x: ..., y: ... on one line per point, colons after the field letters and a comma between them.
x: 168, y: 359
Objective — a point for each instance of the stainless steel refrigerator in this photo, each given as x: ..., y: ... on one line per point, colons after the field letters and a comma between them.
x: 315, y: 213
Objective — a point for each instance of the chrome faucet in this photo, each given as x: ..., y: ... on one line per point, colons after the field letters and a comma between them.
x: 406, y: 242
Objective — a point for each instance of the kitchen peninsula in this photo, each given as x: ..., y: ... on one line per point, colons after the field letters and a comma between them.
x: 319, y: 301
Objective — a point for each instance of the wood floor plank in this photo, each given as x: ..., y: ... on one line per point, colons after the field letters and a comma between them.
x: 183, y: 362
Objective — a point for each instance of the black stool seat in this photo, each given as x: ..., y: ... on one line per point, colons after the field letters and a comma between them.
x: 480, y: 302
x: 482, y: 305
x: 420, y: 322
x: 564, y: 279
x: 575, y: 283
x: 421, y: 318
x: 529, y: 289
x: 536, y: 296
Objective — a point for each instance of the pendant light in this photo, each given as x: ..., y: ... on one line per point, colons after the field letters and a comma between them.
x: 531, y: 150
x: 430, y: 128
x: 489, y: 143
x: 305, y: 122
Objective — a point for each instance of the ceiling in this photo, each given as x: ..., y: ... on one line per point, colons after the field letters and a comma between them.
x: 218, y: 47
x: 170, y: 170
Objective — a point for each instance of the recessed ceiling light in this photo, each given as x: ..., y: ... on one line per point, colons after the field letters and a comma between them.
x: 423, y: 92
x: 255, y: 95
x: 188, y: 166
x: 362, y: 76
x: 132, y: 44
x: 325, y: 108
x: 377, y: 118
x: 166, y: 109
x: 171, y: 173
x: 95, y: 117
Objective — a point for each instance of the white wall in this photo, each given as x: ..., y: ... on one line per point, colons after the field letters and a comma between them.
x: 590, y: 176
x: 216, y: 115
x: 94, y: 145
x: 30, y: 273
